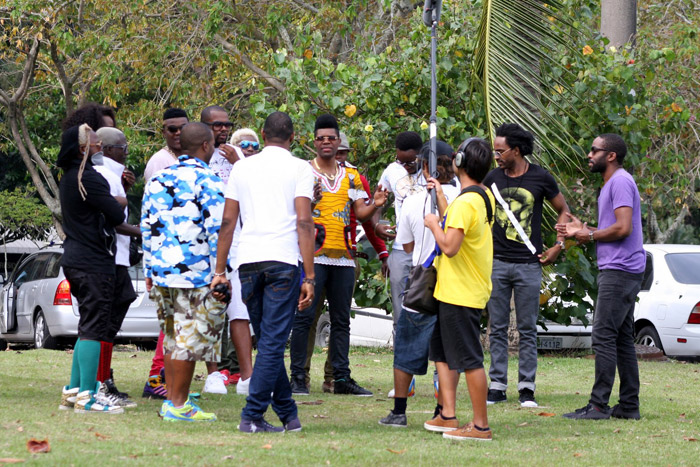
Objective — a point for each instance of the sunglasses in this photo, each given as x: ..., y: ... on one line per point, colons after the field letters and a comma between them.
x: 321, y: 139
x: 498, y: 153
x: 174, y: 128
x: 219, y: 125
x: 123, y: 147
x: 595, y: 149
x: 249, y: 144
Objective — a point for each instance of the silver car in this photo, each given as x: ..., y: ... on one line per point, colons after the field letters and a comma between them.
x: 36, y: 305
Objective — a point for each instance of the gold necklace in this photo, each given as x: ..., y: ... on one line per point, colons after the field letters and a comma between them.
x: 328, y: 176
x: 170, y: 151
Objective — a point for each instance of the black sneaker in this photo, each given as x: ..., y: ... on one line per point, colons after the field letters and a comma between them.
x: 495, y: 396
x: 527, y: 398
x: 113, y: 386
x: 619, y: 412
x: 299, y: 387
x: 589, y: 412
x: 349, y: 386
x: 395, y: 420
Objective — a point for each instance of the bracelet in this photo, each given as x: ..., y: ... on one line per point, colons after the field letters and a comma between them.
x: 306, y: 280
x: 219, y: 274
x: 590, y: 236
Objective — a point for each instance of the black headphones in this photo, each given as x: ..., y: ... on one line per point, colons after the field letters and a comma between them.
x: 460, y: 157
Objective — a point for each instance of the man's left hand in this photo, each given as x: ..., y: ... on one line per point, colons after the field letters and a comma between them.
x: 385, y: 267
x: 149, y: 284
x: 550, y: 256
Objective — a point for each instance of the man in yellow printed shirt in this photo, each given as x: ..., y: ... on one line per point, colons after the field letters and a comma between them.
x: 333, y: 261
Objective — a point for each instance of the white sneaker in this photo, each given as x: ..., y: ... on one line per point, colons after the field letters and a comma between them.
x: 95, y: 402
x: 243, y: 386
x: 215, y: 384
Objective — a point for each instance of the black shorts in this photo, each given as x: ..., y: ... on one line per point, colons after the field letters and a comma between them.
x: 124, y: 295
x: 455, y: 339
x: 95, y: 293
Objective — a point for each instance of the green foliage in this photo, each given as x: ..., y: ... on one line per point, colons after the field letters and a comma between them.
x: 22, y: 216
x: 372, y: 289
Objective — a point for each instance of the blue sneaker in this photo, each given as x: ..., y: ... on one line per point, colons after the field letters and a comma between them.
x: 293, y: 425
x: 259, y: 426
x: 187, y: 413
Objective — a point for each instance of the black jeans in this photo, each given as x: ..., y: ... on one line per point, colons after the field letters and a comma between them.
x: 338, y: 281
x: 613, y: 338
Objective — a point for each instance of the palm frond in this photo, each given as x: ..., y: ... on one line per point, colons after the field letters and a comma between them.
x: 518, y: 42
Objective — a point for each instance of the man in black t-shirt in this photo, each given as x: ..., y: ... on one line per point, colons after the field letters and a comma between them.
x: 520, y: 189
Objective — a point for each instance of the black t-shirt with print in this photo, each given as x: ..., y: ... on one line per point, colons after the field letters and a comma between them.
x: 525, y: 196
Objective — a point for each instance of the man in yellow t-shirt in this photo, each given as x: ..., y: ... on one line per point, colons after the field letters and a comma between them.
x: 334, y: 264
x: 463, y: 289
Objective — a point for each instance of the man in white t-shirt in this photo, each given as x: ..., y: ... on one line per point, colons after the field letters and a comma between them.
x: 272, y: 193
x: 113, y: 157
x: 414, y: 330
x: 173, y: 121
x: 402, y: 178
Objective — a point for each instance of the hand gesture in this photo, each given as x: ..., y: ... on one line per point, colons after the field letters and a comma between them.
x: 550, y: 255
x: 229, y: 152
x: 431, y: 221
x: 380, y: 196
x: 385, y: 231
x: 570, y: 228
x: 433, y: 183
x: 128, y: 179
x: 306, y: 295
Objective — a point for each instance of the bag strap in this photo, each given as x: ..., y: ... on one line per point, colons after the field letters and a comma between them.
x: 478, y: 189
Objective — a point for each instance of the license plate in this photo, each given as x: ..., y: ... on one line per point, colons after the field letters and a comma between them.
x: 549, y: 343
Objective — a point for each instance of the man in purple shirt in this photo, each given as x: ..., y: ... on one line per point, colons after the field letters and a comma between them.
x: 621, y: 261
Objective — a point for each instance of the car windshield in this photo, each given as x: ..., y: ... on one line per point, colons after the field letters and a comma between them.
x: 684, y: 267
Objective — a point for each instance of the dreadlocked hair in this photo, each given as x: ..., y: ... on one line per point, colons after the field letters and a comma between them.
x: 83, y: 140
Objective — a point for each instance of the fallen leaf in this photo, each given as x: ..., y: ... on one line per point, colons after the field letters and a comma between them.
x: 360, y: 365
x: 101, y: 436
x: 689, y: 438
x: 577, y: 454
x: 376, y: 361
x: 10, y: 460
x: 229, y: 457
x: 20, y: 429
x: 616, y: 430
x: 523, y: 424
x: 546, y: 414
x: 681, y: 415
x: 91, y: 428
x: 267, y: 446
x: 34, y: 445
x: 319, y: 402
x: 396, y: 452
x: 134, y: 356
x: 320, y: 416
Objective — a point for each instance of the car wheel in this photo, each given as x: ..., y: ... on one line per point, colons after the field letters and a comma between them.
x: 42, y: 337
x: 323, y: 331
x: 3, y: 345
x: 649, y: 337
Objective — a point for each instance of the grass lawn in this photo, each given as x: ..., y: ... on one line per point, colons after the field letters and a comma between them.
x: 343, y: 430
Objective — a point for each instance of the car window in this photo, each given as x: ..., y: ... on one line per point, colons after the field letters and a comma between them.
x: 53, y: 266
x: 684, y: 267
x: 648, y: 272
x: 28, y: 270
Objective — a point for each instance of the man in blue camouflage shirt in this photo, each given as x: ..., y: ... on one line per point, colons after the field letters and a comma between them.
x: 180, y: 220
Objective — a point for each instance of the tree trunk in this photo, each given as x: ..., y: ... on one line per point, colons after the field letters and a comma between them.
x: 618, y: 21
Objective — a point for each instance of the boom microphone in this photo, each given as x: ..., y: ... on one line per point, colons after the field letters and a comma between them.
x: 428, y: 8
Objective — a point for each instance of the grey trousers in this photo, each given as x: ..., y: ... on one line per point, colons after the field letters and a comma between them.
x: 523, y: 280
x: 400, y: 264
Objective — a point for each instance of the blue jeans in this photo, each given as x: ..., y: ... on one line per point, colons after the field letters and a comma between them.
x: 270, y: 290
x: 613, y: 338
x: 412, y: 342
x: 338, y: 281
x: 400, y: 264
x: 523, y: 280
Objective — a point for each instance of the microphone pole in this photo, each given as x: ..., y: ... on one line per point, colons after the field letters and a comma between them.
x: 431, y: 17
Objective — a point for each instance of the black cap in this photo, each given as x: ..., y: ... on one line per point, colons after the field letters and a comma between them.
x: 70, y: 147
x: 443, y: 149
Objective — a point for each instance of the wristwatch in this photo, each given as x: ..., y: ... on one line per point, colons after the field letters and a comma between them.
x: 590, y: 236
x: 561, y: 244
x: 306, y: 280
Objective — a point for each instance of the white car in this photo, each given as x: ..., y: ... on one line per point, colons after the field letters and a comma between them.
x: 667, y: 314
x: 369, y: 327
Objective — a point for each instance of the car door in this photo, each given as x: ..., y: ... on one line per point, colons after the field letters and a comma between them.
x: 30, y: 292
x: 13, y: 298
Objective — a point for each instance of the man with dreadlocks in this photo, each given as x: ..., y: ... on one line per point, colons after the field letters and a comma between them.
x: 90, y: 215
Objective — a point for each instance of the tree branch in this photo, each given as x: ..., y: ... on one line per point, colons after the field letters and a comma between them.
x: 66, y: 83
x: 274, y: 82
x: 27, y: 72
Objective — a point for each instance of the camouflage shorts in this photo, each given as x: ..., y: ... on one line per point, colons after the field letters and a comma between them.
x: 192, y: 325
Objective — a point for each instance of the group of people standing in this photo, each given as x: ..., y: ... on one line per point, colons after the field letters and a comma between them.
x: 264, y: 238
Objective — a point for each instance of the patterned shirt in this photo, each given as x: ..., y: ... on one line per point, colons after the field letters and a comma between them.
x: 180, y: 219
x: 332, y: 216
